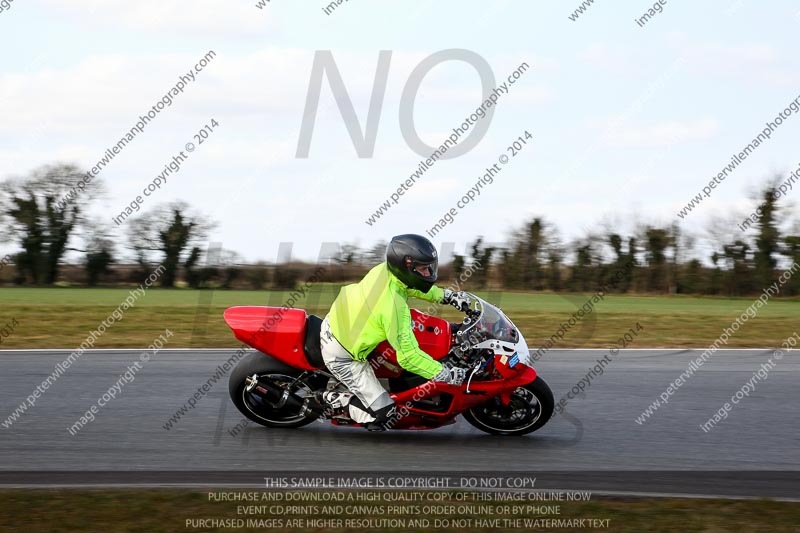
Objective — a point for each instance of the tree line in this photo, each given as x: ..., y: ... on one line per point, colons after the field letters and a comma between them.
x: 654, y: 258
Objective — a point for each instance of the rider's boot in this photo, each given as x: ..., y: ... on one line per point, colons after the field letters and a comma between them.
x: 385, y: 418
x: 345, y: 403
x: 336, y: 402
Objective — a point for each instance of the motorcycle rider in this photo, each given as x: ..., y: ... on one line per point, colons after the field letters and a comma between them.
x: 376, y: 309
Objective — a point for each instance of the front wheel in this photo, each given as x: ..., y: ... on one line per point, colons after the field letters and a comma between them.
x: 530, y: 408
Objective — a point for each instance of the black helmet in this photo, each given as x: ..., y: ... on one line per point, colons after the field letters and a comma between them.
x: 405, y: 254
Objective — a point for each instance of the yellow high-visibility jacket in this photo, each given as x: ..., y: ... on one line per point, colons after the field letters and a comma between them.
x: 376, y: 309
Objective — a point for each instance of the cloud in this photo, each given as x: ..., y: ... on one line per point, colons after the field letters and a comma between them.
x: 204, y: 17
x: 107, y: 92
x: 733, y: 58
x: 436, y: 187
x: 535, y: 95
x: 750, y: 62
x: 605, y: 57
x: 663, y: 134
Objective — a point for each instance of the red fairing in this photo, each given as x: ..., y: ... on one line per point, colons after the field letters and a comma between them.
x: 271, y: 330
x: 433, y: 336
x: 417, y: 418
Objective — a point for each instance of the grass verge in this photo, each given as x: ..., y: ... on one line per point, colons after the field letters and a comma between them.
x: 155, y: 511
x: 62, y: 318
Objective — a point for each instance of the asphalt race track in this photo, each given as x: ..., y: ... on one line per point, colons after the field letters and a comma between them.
x: 596, y: 445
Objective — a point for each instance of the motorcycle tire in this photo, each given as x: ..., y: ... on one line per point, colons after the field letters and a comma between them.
x: 251, y: 405
x: 520, y: 417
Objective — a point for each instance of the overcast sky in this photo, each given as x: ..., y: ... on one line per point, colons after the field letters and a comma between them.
x: 629, y: 122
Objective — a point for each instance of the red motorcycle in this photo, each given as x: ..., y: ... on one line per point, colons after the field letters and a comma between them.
x: 282, y: 386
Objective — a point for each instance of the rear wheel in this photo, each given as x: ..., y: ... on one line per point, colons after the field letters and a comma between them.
x: 253, y: 406
x: 530, y: 408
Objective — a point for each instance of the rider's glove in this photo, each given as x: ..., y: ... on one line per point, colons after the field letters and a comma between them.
x: 451, y: 376
x: 460, y: 300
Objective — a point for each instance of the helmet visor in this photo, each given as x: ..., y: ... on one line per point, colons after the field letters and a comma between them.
x: 426, y: 271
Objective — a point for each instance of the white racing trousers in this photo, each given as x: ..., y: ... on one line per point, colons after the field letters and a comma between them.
x: 357, y: 376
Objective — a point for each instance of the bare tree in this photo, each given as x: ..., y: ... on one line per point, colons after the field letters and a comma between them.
x: 42, y: 212
x: 171, y: 231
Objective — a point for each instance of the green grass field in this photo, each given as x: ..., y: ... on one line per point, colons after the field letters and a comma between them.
x: 156, y: 511
x: 61, y: 317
